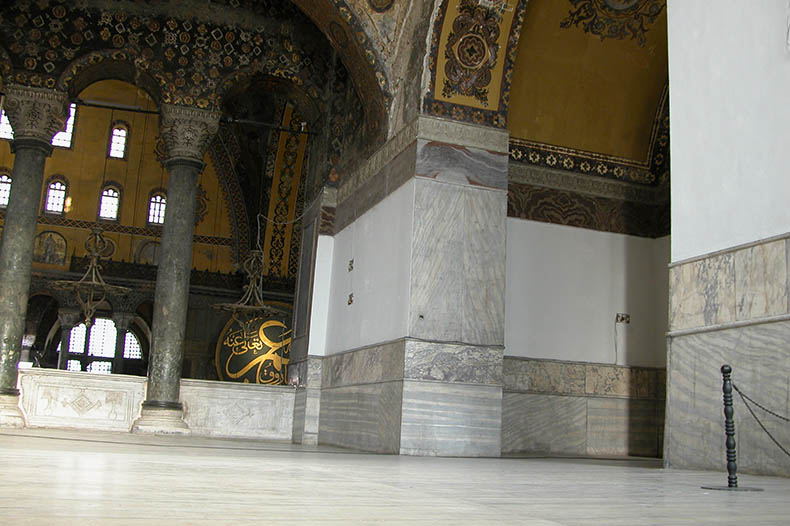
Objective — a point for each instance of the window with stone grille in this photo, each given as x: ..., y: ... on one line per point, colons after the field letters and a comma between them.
x: 118, y: 137
x: 94, y: 350
x: 109, y: 204
x: 62, y: 139
x: 156, y: 208
x: 5, y: 190
x: 56, y: 196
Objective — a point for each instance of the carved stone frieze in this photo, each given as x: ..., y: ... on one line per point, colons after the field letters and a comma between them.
x: 35, y: 113
x: 186, y: 132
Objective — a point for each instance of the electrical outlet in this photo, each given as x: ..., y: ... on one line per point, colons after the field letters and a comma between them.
x: 622, y: 318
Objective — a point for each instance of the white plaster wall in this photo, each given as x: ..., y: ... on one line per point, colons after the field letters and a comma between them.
x: 729, y: 74
x: 565, y: 285
x: 379, y: 242
x: 319, y: 313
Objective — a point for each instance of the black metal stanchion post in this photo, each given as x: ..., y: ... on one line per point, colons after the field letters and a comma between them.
x: 729, y: 430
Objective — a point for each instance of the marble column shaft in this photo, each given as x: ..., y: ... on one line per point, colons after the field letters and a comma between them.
x: 35, y: 115
x: 186, y: 133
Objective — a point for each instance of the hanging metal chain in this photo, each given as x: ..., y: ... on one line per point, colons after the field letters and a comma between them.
x: 744, y: 398
x: 780, y: 417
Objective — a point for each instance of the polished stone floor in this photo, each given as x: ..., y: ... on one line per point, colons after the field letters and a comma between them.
x: 50, y: 477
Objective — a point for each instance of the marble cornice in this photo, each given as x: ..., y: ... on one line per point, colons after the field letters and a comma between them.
x: 429, y: 129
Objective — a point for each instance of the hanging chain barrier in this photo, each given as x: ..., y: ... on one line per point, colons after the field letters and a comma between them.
x: 746, y: 399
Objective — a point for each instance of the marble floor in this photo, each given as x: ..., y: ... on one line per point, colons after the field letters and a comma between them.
x: 50, y: 477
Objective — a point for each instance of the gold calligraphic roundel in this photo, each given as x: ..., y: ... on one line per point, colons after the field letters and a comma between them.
x: 254, y: 351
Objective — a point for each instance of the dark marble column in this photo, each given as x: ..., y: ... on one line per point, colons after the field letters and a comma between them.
x: 186, y: 133
x: 35, y: 115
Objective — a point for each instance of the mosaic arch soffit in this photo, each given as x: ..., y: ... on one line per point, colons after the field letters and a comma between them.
x: 616, y: 19
x: 46, y: 42
x: 472, y: 52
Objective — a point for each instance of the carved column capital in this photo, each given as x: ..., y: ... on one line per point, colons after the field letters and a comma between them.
x: 186, y: 132
x: 122, y: 320
x: 35, y: 113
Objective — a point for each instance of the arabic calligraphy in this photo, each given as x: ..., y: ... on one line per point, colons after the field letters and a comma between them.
x: 254, y: 351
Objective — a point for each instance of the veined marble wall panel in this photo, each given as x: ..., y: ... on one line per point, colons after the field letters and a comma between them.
x: 538, y: 423
x: 238, y: 410
x: 617, y: 426
x: 453, y: 363
x: 300, y: 401
x: 578, y: 378
x: 744, y: 283
x: 451, y: 419
x: 760, y: 358
x: 67, y: 399
x: 365, y: 417
x: 375, y: 364
x: 458, y: 264
x: 575, y: 408
x: 451, y: 163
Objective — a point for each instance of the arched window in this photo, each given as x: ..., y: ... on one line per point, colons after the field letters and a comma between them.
x: 6, y: 131
x: 57, y: 190
x: 5, y: 189
x: 156, y: 208
x: 94, y: 351
x: 110, y: 203
x: 61, y: 139
x: 118, y: 139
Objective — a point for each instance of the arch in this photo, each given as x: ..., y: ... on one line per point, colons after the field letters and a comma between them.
x: 112, y: 64
x: 243, y: 80
x: 370, y: 73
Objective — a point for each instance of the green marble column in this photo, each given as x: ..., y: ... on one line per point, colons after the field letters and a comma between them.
x: 35, y: 115
x: 186, y: 133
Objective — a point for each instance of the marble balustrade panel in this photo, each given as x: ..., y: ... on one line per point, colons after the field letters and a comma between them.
x: 235, y: 410
x: 451, y: 419
x: 744, y: 283
x: 760, y: 358
x: 574, y: 408
x: 67, y: 399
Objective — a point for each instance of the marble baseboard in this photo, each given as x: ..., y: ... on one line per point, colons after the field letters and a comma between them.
x: 441, y: 419
x: 233, y: 410
x: 734, y: 285
x: 544, y: 424
x: 581, y: 425
x: 365, y: 417
x: 760, y: 358
x: 61, y: 399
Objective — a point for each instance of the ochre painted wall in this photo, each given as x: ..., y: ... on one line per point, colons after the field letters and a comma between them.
x: 572, y: 89
x: 86, y: 166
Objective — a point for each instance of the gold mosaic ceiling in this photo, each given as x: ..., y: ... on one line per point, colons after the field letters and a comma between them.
x: 575, y: 89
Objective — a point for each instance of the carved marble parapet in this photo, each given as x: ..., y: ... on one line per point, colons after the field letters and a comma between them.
x: 187, y: 132
x: 35, y: 113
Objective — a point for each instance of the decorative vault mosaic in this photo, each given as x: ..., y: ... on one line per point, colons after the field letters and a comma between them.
x: 618, y: 19
x: 471, y: 57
